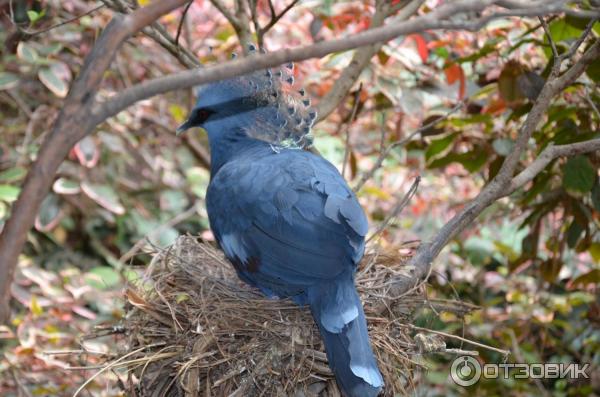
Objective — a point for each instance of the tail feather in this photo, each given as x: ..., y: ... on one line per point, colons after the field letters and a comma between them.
x: 348, y: 348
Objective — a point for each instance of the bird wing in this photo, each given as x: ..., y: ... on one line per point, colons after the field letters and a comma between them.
x: 286, y: 219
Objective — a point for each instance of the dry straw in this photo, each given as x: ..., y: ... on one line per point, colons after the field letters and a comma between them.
x: 194, y: 329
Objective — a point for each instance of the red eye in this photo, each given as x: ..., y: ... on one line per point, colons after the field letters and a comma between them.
x: 200, y: 116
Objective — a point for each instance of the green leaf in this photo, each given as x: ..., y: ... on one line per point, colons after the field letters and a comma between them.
x: 173, y: 200
x: 503, y: 146
x: 8, y: 80
x: 593, y: 70
x: 27, y: 53
x: 48, y: 214
x: 9, y: 193
x: 438, y: 146
x: 66, y: 186
x: 198, y: 179
x: 579, y: 174
x: 105, y: 196
x: 574, y: 234
x: 591, y: 277
x: 35, y: 16
x: 102, y: 277
x: 473, y: 160
x: 577, y: 22
x: 54, y: 83
x: 12, y: 174
x: 561, y: 30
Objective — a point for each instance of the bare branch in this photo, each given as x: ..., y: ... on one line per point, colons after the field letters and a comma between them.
x: 181, y: 22
x: 590, y: 102
x: 71, y: 126
x: 362, y: 57
x: 384, y: 152
x: 581, y: 39
x: 437, y: 19
x: 156, y: 232
x: 66, y: 22
x: 158, y: 33
x: 504, y: 183
x: 260, y: 32
x: 243, y: 26
x: 550, y: 39
x: 351, y: 120
x: 226, y: 12
x: 397, y: 208
x: 547, y: 156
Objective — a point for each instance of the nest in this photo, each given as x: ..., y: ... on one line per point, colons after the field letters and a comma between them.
x: 194, y: 329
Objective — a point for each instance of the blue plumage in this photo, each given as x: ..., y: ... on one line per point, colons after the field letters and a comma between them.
x: 286, y: 218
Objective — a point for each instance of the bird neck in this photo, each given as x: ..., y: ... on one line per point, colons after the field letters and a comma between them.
x: 226, y: 145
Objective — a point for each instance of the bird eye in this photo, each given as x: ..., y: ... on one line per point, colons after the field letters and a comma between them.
x: 200, y: 116
x: 203, y: 114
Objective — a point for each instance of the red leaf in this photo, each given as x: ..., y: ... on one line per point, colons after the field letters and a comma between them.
x: 421, y: 46
x: 454, y: 73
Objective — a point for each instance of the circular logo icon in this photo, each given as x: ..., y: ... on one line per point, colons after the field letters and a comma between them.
x: 465, y: 371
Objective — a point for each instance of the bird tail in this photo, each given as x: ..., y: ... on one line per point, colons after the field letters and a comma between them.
x: 338, y: 312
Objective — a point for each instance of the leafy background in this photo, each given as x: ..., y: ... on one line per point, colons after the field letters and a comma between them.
x: 532, y: 261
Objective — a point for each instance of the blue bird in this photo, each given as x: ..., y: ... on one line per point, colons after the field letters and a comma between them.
x: 284, y: 217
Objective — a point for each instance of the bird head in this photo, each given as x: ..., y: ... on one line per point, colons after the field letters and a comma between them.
x: 224, y: 103
x: 262, y: 104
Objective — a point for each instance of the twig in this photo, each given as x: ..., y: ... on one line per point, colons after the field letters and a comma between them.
x: 383, y: 153
x: 580, y: 39
x: 550, y: 153
x: 159, y: 34
x: 397, y: 209
x: 71, y: 126
x: 460, y: 338
x: 503, y: 183
x: 437, y: 19
x: 362, y: 57
x: 181, y: 21
x: 81, y: 112
x: 261, y: 31
x: 519, y: 356
x: 155, y: 232
x: 590, y: 102
x: 112, y: 364
x: 347, y: 128
x: 70, y: 20
x: 549, y: 37
x: 226, y: 12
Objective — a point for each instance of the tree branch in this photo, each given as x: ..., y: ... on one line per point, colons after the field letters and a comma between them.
x: 81, y: 113
x: 158, y: 33
x: 261, y: 31
x: 547, y: 156
x: 362, y: 57
x: 504, y: 183
x: 385, y: 151
x: 397, y: 208
x: 71, y: 126
x: 437, y: 19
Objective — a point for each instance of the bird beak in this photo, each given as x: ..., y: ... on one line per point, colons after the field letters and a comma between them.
x: 183, y: 127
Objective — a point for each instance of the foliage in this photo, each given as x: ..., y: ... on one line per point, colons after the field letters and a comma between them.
x: 532, y: 261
